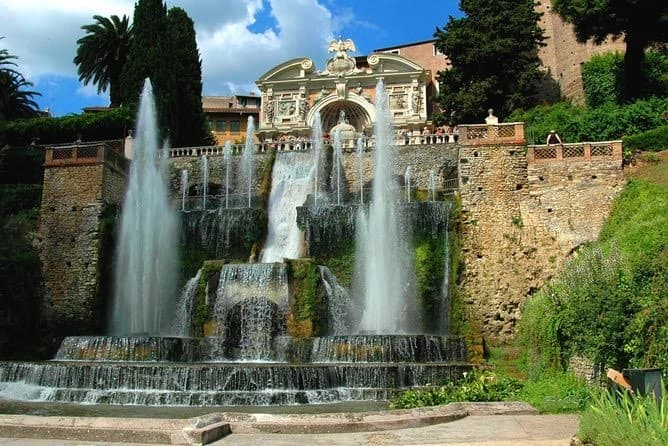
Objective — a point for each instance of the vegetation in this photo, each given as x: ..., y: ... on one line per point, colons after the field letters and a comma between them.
x: 102, y: 53
x: 15, y: 101
x: 308, y: 312
x: 608, y: 304
x: 163, y: 49
x: 654, y: 140
x: 493, y: 50
x: 603, y: 77
x: 606, y: 122
x: 641, y: 22
x: 621, y: 418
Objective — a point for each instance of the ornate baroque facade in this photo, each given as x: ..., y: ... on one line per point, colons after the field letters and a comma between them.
x: 294, y: 91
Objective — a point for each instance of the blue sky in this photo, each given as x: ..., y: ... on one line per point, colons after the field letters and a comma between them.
x: 238, y: 39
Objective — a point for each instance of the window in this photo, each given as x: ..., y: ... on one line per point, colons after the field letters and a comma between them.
x: 221, y: 126
x: 242, y: 102
x: 234, y: 126
x: 437, y: 52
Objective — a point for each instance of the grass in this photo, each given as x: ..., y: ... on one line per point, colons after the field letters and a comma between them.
x: 651, y: 167
x: 621, y: 418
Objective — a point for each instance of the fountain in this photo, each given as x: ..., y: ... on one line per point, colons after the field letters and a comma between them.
x: 145, y: 266
x: 205, y: 180
x: 276, y: 332
x: 408, y: 177
x: 360, y: 169
x: 184, y: 189
x: 227, y: 159
x: 432, y: 185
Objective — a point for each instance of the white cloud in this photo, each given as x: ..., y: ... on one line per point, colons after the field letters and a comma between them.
x: 43, y: 34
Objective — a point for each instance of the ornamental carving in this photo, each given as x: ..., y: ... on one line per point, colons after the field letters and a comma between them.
x: 341, y: 64
x: 286, y: 108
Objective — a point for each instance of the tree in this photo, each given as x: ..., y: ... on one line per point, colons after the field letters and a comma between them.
x: 102, y: 53
x: 191, y: 128
x: 642, y: 22
x: 494, y: 56
x: 15, y: 102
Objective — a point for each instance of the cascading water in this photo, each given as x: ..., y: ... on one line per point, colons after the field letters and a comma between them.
x: 205, y: 180
x: 383, y: 262
x: 360, y: 167
x: 145, y: 266
x: 184, y: 307
x: 184, y: 189
x: 291, y: 182
x: 339, y: 305
x: 247, y: 160
x: 227, y: 160
x: 445, y: 290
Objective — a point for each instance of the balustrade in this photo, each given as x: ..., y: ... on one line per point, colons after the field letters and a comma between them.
x: 602, y: 150
x: 86, y: 153
x: 480, y: 134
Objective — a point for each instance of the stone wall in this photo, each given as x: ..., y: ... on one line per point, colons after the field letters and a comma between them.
x: 70, y: 242
x: 520, y: 221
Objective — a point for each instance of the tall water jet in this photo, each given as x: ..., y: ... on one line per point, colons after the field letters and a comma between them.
x: 205, y: 180
x: 383, y: 269
x: 318, y: 155
x: 408, y: 177
x: 184, y: 189
x: 145, y: 266
x: 337, y: 165
x: 360, y: 169
x: 227, y: 160
x: 247, y: 159
x: 432, y: 184
x: 445, y: 290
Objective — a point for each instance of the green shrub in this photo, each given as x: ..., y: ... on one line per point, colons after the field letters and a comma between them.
x: 603, y: 77
x: 19, y: 197
x: 556, y: 392
x: 621, y: 418
x: 112, y: 124
x: 474, y: 386
x: 654, y: 140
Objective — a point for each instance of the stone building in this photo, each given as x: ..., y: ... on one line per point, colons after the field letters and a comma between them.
x: 228, y: 115
x: 294, y: 91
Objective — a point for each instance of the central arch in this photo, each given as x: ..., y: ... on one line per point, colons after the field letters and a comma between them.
x: 359, y: 112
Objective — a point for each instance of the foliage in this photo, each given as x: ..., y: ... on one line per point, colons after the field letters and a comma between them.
x: 654, y: 140
x: 21, y: 166
x: 494, y: 55
x: 578, y: 124
x: 306, y: 306
x: 191, y: 129
x: 556, y: 392
x: 609, y: 302
x: 19, y: 197
x: 112, y: 124
x: 102, y: 53
x: 474, y: 386
x: 603, y: 77
x: 429, y: 270
x: 15, y: 101
x: 641, y: 22
x: 621, y: 418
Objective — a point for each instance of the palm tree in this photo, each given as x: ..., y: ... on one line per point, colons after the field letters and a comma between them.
x: 102, y: 52
x: 15, y: 103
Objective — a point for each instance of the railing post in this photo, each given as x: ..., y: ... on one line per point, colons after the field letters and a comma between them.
x: 587, y: 151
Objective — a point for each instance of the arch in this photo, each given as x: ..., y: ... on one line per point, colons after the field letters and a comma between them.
x: 360, y: 112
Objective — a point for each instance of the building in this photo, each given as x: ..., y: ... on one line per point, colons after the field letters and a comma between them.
x: 228, y: 115
x: 294, y: 92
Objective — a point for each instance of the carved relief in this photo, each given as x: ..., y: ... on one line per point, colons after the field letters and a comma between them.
x: 286, y: 108
x: 303, y: 109
x: 341, y: 64
x: 269, y: 110
x: 398, y: 101
x: 417, y: 100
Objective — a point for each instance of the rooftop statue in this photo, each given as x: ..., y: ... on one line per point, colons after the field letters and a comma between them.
x: 341, y: 64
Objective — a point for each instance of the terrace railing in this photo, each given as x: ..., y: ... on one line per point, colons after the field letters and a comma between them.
x: 584, y: 151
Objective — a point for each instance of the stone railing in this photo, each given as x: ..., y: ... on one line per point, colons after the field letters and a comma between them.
x: 602, y: 150
x: 348, y: 145
x: 87, y: 154
x: 483, y: 134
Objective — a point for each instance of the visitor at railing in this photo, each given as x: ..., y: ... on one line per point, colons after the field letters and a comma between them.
x: 553, y: 138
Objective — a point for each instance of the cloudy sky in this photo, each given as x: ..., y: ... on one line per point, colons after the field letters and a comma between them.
x: 238, y: 40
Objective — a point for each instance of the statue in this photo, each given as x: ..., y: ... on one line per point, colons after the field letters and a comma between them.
x: 416, y: 101
x: 303, y: 108
x: 269, y: 110
x: 491, y: 119
x: 341, y: 64
x: 342, y: 117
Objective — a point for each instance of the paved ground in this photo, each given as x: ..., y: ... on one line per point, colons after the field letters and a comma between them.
x: 491, y: 430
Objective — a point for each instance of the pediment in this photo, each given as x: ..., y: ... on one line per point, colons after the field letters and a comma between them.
x: 291, y: 69
x: 392, y: 63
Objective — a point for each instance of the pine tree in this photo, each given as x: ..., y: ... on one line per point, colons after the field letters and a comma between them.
x: 494, y: 56
x: 191, y: 128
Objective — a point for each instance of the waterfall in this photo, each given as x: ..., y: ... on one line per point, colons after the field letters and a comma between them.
x: 247, y: 161
x: 338, y: 302
x: 145, y: 265
x: 184, y: 189
x: 383, y: 260
x: 184, y: 307
x: 292, y: 181
x: 227, y: 160
x: 205, y: 180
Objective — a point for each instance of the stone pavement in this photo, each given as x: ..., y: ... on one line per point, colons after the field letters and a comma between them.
x: 500, y: 424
